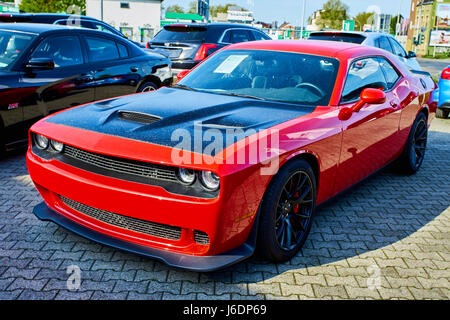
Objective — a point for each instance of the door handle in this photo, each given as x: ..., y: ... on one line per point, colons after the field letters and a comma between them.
x: 134, y: 69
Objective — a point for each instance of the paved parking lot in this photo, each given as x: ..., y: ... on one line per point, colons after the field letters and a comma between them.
x: 387, y: 238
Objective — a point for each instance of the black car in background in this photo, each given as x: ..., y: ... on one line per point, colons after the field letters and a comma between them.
x: 188, y: 44
x: 62, y: 19
x: 45, y: 68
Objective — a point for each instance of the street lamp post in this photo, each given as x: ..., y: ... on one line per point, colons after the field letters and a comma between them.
x: 303, y: 20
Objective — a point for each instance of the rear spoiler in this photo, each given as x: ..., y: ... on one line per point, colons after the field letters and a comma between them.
x: 423, y: 73
x: 427, y: 74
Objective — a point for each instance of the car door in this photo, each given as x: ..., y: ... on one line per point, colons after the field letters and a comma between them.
x: 67, y: 84
x: 116, y: 74
x: 370, y: 136
x: 403, y: 56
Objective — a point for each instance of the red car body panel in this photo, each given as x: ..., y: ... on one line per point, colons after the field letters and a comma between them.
x: 346, y: 151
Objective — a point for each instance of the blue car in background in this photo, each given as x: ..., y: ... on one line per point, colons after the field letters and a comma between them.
x: 444, y: 94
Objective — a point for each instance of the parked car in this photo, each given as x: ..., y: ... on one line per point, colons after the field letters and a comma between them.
x: 237, y: 154
x: 374, y: 39
x: 45, y: 68
x: 444, y: 94
x: 188, y: 44
x: 63, y: 19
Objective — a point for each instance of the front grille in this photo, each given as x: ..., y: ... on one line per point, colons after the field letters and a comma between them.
x: 137, y: 225
x: 201, y: 237
x: 121, y: 165
x: 139, y: 117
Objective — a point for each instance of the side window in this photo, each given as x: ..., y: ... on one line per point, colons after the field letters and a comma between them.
x: 123, y: 50
x: 384, y: 44
x: 103, y: 28
x: 362, y: 74
x: 240, y: 36
x: 390, y: 73
x: 398, y: 49
x: 227, y: 37
x: 259, y: 35
x: 57, y: 49
x: 101, y: 49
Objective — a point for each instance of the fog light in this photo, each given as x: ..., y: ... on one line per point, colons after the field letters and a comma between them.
x: 186, y: 176
x: 41, y: 141
x: 210, y: 180
x: 57, y: 146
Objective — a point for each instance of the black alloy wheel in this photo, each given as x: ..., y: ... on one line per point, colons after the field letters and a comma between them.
x: 287, y: 211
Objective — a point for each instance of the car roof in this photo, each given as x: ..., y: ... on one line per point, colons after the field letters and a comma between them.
x: 41, y: 28
x: 213, y: 24
x: 362, y: 33
x: 340, y: 50
x: 36, y: 28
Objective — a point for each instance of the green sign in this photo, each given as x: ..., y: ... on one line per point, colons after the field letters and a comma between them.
x: 348, y: 25
x: 8, y: 9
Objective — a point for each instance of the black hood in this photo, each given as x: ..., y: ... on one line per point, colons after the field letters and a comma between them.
x: 155, y: 116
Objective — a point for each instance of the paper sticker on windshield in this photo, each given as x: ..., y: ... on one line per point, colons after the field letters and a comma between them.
x: 230, y: 63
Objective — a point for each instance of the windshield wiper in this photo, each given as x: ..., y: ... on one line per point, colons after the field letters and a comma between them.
x: 240, y: 95
x: 182, y: 86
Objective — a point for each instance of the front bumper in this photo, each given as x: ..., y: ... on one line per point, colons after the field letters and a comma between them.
x: 173, y: 259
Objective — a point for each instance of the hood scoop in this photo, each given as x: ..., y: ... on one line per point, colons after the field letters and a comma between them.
x: 139, y: 117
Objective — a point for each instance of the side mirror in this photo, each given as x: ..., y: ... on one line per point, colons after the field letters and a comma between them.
x: 182, y: 74
x: 412, y: 54
x: 369, y: 96
x: 40, y: 64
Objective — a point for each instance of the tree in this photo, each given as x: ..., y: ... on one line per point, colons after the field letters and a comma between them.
x: 175, y: 8
x: 332, y: 14
x: 192, y: 7
x: 52, y: 6
x: 362, y: 18
x: 393, y: 25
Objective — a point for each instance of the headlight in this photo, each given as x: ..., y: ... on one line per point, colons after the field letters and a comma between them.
x: 57, y: 146
x: 210, y: 180
x: 186, y: 176
x: 41, y: 141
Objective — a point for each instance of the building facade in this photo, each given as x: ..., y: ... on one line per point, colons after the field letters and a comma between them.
x: 139, y: 20
x: 429, y: 29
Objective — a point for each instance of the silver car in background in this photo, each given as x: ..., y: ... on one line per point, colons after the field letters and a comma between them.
x: 373, y: 39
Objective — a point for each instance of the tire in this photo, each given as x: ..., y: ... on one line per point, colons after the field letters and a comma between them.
x: 275, y: 212
x: 414, y: 150
x: 2, y: 141
x: 147, y: 87
x: 441, y: 113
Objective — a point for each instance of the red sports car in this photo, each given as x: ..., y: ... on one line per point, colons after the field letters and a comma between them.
x: 236, y: 156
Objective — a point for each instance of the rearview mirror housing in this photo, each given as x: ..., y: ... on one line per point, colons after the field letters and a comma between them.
x: 412, y: 54
x: 369, y: 96
x: 40, y: 64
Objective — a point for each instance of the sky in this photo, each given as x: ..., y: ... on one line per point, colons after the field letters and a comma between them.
x: 291, y: 10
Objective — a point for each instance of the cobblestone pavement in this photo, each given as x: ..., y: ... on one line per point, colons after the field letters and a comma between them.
x: 386, y: 238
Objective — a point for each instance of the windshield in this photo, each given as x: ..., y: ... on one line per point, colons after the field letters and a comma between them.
x: 180, y: 33
x: 12, y: 45
x: 269, y: 75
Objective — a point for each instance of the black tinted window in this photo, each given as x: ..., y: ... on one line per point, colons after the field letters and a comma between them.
x: 101, y: 49
x: 390, y: 73
x: 240, y: 36
x: 398, y: 49
x: 259, y: 35
x: 180, y: 33
x: 383, y: 43
x: 63, y: 50
x: 362, y: 74
x: 123, y: 51
x: 340, y: 37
